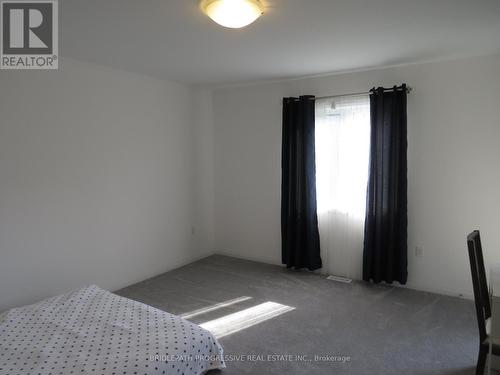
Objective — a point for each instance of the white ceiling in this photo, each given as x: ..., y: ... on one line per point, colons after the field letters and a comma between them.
x: 173, y: 39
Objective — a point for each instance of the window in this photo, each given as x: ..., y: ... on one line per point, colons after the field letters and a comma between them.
x: 342, y: 156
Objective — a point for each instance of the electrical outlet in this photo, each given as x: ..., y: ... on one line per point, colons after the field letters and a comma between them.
x: 419, y: 251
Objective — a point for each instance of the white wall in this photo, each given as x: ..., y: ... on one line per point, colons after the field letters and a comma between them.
x: 453, y: 161
x: 104, y: 174
x: 97, y: 179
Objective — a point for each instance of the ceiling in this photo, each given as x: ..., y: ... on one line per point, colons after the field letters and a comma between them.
x: 174, y: 40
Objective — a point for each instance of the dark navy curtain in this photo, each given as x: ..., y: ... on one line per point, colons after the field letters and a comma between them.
x: 385, y: 243
x: 299, y: 222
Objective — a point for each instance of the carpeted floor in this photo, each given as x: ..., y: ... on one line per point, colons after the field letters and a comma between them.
x: 377, y: 329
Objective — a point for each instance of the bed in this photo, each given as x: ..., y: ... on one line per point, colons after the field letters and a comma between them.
x: 93, y: 331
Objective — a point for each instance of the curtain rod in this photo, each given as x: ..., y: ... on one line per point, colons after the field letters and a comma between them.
x: 408, y: 90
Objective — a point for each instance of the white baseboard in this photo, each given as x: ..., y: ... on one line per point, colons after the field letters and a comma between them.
x: 436, y: 291
x: 250, y: 258
x: 277, y: 263
x: 320, y: 272
x: 171, y: 267
x: 190, y: 260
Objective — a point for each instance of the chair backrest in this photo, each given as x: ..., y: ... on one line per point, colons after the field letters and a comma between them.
x: 479, y: 283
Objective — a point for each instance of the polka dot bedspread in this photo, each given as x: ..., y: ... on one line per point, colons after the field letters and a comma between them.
x: 93, y: 331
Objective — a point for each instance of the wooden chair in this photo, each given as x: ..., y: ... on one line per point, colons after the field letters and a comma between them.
x: 481, y: 299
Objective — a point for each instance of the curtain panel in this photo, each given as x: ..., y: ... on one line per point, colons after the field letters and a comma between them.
x: 299, y: 222
x: 342, y: 154
x: 385, y: 242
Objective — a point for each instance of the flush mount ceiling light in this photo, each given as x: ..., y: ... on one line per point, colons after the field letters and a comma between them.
x: 232, y: 13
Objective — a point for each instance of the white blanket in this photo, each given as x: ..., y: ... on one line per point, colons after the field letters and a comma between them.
x: 92, y: 331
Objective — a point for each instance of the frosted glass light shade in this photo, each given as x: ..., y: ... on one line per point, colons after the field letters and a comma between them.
x: 232, y: 13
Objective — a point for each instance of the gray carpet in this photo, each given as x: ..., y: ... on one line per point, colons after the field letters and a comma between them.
x: 383, y: 329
